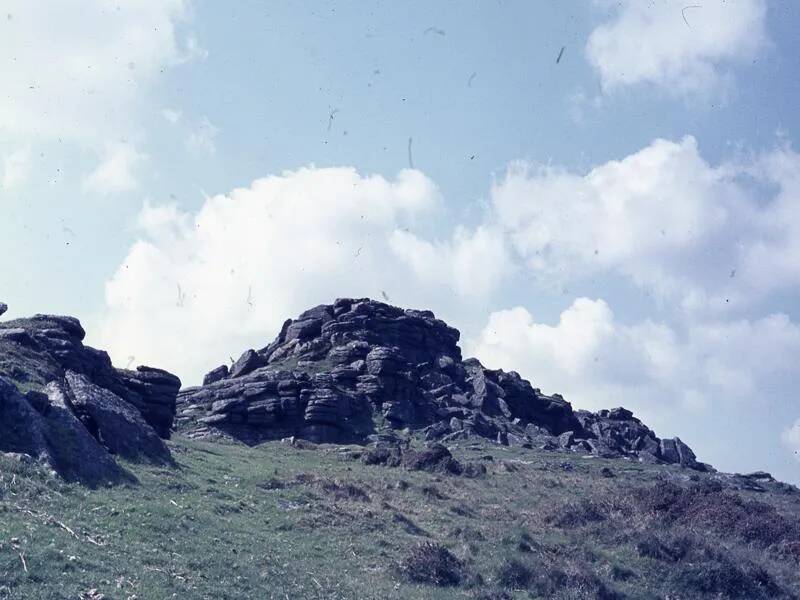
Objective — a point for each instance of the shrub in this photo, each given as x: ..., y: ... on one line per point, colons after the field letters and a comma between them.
x: 621, y: 573
x: 786, y: 550
x: 719, y: 574
x: 432, y: 492
x: 345, y: 491
x: 433, y: 564
x: 708, y: 506
x: 571, y: 579
x: 670, y: 550
x: 576, y: 514
x: 514, y: 574
x: 435, y: 459
x: 474, y: 470
x: 381, y: 456
x: 273, y: 483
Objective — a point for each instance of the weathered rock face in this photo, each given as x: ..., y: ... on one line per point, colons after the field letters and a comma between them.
x: 340, y: 372
x: 335, y: 369
x: 52, y: 434
x: 115, y: 423
x: 66, y: 405
x: 153, y: 392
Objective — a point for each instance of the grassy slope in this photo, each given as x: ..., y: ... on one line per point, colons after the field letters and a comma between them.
x: 281, y: 522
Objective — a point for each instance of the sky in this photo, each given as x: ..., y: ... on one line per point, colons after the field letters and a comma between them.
x: 603, y: 196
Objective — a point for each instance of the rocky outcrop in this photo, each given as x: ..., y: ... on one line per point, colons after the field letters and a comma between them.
x: 153, y: 392
x: 53, y: 435
x: 115, y: 423
x: 344, y: 371
x: 67, y: 406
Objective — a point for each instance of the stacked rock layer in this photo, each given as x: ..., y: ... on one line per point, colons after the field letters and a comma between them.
x: 64, y: 404
x: 347, y: 371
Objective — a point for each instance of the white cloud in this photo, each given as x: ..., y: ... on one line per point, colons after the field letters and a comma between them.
x: 587, y: 352
x: 201, y: 139
x: 678, y: 47
x: 473, y: 263
x: 708, y: 236
x: 714, y: 246
x: 16, y: 168
x: 791, y: 438
x: 224, y: 279
x: 78, y: 70
x: 116, y: 172
x: 676, y: 377
x: 172, y: 115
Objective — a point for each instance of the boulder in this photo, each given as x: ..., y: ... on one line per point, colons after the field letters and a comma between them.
x: 248, y: 362
x: 114, y: 423
x: 21, y: 427
x: 617, y: 414
x: 668, y: 451
x: 218, y: 374
x: 3, y: 307
x: 686, y: 458
x: 17, y: 334
x: 76, y: 454
x: 53, y: 436
x: 434, y: 459
x: 153, y: 392
x: 77, y: 410
x: 42, y: 348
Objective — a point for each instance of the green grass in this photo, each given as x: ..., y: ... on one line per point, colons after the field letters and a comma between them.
x: 281, y: 522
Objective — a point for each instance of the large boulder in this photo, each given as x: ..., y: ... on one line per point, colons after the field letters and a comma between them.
x: 21, y: 426
x: 44, y: 427
x: 40, y: 349
x: 76, y: 454
x: 117, y: 425
x: 153, y: 392
x: 76, y: 411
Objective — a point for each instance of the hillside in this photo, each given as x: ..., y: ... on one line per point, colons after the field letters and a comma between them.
x: 358, y: 455
x: 278, y: 521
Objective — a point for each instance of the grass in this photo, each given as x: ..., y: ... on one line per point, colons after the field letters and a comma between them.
x: 276, y: 521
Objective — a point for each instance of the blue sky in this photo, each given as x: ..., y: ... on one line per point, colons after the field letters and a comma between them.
x: 619, y: 224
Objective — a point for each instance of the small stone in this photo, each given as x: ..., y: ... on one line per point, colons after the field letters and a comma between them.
x: 215, y: 375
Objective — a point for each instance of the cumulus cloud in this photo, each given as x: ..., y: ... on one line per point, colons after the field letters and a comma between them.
x: 707, y: 373
x: 472, y: 262
x: 116, y: 172
x: 171, y: 115
x: 708, y: 236
x: 715, y: 249
x: 591, y: 352
x: 573, y: 348
x: 681, y: 49
x: 76, y: 69
x: 198, y: 288
x: 16, y: 168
